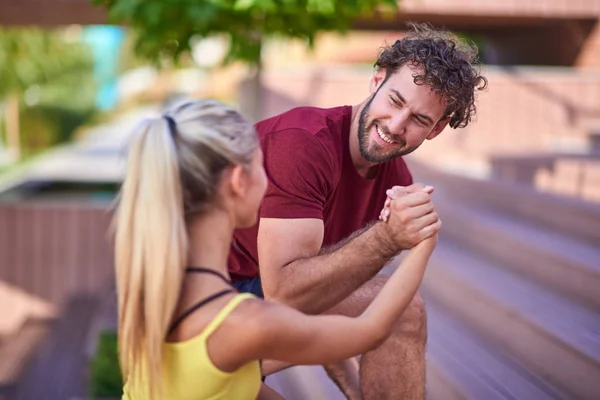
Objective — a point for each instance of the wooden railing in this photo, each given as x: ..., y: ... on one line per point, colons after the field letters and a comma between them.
x: 49, y: 251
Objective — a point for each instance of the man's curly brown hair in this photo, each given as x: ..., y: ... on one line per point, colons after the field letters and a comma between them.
x: 447, y: 65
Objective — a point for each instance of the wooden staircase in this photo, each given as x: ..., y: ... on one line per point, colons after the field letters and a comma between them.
x: 513, y: 293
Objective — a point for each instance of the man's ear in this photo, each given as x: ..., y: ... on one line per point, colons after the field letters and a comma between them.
x: 377, y: 79
x: 238, y: 180
x: 439, y: 127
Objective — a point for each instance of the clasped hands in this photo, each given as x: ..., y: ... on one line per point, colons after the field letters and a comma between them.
x: 410, y: 215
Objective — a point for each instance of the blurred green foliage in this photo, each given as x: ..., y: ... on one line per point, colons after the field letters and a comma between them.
x: 52, y: 74
x: 105, y: 380
x: 43, y: 126
x: 32, y: 56
x: 167, y: 28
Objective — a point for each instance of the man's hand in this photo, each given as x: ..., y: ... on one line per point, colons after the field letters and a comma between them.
x: 396, y: 192
x: 410, y: 214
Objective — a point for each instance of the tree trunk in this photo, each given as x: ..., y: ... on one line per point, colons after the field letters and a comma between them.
x: 13, y: 141
x: 251, y: 96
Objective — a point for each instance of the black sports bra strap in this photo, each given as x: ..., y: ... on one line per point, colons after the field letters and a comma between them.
x: 202, y: 270
x: 197, y: 306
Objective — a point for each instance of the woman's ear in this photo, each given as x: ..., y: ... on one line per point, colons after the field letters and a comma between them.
x: 238, y: 180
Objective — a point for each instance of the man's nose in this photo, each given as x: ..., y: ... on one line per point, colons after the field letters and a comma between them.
x: 397, y: 124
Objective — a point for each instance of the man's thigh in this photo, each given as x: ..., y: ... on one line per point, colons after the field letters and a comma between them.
x: 352, y: 306
x: 412, y: 321
x: 355, y: 304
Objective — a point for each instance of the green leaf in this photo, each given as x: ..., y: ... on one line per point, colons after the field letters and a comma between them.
x: 158, y: 23
x: 321, y: 6
x: 243, y: 4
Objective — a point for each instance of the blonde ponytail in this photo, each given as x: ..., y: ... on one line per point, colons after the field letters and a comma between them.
x: 150, y: 252
x: 173, y: 173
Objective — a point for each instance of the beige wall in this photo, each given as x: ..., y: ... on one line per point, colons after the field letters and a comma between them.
x: 537, y: 8
x: 524, y: 111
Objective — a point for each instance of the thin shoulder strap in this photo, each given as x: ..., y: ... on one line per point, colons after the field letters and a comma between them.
x: 202, y: 270
x: 225, y: 311
x: 197, y: 306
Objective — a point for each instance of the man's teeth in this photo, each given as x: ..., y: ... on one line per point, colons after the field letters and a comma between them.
x: 384, y: 137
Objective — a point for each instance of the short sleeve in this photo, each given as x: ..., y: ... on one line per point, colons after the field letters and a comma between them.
x: 300, y: 172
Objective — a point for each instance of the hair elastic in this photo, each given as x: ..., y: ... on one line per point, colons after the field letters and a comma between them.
x: 171, y: 123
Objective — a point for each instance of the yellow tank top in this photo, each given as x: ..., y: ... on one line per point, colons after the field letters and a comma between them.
x: 189, y: 374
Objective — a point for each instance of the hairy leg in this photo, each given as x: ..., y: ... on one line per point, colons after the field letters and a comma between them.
x: 267, y: 393
x: 269, y: 367
x: 345, y: 375
x: 395, y: 370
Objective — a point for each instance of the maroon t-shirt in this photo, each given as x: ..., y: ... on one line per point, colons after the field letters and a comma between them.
x: 311, y: 175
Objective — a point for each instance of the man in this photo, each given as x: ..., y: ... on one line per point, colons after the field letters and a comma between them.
x: 318, y: 242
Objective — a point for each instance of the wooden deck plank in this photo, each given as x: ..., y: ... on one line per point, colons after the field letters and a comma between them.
x: 59, y: 367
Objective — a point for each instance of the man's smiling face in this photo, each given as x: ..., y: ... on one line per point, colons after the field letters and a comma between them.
x: 399, y: 116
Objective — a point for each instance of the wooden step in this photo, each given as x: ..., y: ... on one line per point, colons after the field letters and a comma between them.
x: 576, y: 218
x: 304, y: 382
x: 550, y: 335
x: 58, y: 370
x: 466, y: 367
x: 556, y: 260
x: 523, y: 168
x: 594, y: 138
x: 16, y: 351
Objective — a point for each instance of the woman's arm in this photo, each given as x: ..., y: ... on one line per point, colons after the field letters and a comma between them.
x: 281, y: 333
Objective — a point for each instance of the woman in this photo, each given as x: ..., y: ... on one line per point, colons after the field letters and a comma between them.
x: 193, y: 176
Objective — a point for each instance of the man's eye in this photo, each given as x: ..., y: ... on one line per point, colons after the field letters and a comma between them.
x: 394, y: 101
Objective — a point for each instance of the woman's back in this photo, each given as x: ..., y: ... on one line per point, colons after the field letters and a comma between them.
x: 189, y: 373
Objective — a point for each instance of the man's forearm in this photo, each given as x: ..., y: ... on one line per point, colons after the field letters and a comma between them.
x: 315, y: 284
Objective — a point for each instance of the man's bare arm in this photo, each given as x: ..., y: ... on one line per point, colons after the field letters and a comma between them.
x: 295, y: 271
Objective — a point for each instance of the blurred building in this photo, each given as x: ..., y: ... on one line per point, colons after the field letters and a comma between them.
x: 539, y: 118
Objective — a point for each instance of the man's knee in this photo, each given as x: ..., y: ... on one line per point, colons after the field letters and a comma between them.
x: 413, y: 321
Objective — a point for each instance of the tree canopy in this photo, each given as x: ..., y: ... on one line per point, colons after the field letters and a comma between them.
x: 167, y: 28
x: 50, y: 73
x: 31, y: 56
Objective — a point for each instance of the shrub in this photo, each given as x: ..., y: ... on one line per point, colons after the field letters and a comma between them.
x: 106, y: 380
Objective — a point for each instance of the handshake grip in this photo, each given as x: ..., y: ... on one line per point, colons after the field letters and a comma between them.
x: 410, y: 215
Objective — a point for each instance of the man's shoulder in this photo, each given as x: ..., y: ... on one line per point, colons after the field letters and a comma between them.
x: 311, y: 120
x: 306, y: 139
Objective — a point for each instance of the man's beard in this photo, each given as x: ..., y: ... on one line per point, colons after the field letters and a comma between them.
x: 375, y: 153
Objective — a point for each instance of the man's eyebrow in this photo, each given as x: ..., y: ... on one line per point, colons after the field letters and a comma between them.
x: 422, y: 116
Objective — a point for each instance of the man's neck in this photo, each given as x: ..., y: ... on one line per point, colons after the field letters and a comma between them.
x: 363, y: 167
